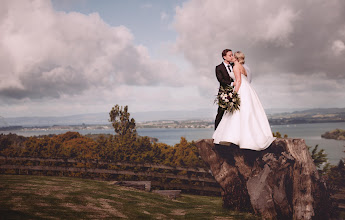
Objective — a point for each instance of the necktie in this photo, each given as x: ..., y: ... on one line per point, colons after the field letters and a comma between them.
x: 229, y: 68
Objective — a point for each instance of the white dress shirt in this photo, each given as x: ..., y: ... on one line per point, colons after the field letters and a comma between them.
x: 226, y: 67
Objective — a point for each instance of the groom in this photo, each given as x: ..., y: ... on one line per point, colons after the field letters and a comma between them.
x: 223, y: 75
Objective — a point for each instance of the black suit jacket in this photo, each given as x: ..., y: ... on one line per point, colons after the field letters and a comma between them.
x: 223, y: 75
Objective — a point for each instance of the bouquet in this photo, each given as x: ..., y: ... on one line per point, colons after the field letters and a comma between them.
x: 228, y: 99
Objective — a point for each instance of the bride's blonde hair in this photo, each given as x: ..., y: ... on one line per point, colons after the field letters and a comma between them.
x: 240, y: 57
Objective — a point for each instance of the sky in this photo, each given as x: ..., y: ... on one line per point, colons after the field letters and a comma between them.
x: 66, y: 57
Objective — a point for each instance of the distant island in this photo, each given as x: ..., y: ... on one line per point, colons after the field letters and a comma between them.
x: 337, y: 134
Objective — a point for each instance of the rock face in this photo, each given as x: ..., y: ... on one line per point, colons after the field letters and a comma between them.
x: 280, y: 182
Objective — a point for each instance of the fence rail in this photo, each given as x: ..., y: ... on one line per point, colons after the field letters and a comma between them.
x: 100, y: 171
x: 148, y: 165
x: 205, y: 184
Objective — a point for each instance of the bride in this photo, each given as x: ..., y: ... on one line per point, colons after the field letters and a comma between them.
x: 248, y: 127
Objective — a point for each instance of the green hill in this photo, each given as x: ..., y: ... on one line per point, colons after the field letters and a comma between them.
x: 44, y: 197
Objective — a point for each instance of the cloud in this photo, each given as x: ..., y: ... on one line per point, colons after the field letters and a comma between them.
x: 338, y: 47
x: 147, y: 5
x: 281, y: 40
x: 279, y: 27
x: 55, y: 63
x: 164, y: 16
x: 290, y: 90
x: 276, y: 36
x: 45, y: 53
x: 94, y: 100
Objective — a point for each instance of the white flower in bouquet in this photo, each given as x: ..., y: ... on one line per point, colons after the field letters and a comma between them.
x: 228, y: 99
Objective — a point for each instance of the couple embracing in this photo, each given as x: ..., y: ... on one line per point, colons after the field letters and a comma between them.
x: 247, y: 127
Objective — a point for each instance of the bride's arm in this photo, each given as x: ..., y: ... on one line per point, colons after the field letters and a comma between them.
x: 237, y: 79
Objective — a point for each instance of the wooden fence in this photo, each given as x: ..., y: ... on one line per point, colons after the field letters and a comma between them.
x: 193, y: 179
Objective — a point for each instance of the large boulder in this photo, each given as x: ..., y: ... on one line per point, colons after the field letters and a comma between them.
x: 280, y: 182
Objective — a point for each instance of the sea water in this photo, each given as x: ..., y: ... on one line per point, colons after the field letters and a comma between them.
x: 311, y: 133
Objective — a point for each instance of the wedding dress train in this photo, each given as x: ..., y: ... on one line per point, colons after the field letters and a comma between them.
x: 248, y: 127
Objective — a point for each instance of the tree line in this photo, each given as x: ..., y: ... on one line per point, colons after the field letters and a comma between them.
x: 73, y: 145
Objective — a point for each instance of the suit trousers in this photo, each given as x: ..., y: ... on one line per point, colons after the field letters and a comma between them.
x: 219, y: 117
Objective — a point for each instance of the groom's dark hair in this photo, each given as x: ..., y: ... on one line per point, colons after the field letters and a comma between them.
x: 224, y: 52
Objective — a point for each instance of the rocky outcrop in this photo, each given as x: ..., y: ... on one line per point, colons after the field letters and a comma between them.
x: 280, y: 182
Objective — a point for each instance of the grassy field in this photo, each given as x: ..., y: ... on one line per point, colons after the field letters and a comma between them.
x: 43, y: 197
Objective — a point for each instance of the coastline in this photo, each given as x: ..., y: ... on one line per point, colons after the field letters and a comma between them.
x: 310, y: 132
x: 208, y: 123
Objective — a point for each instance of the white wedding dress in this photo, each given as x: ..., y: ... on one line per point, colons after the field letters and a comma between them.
x: 248, y: 127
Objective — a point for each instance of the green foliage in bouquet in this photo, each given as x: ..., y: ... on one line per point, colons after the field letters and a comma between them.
x: 228, y: 99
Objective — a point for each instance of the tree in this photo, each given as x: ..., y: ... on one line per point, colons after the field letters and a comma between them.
x: 320, y: 159
x: 277, y: 134
x: 336, y: 177
x: 123, y: 125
